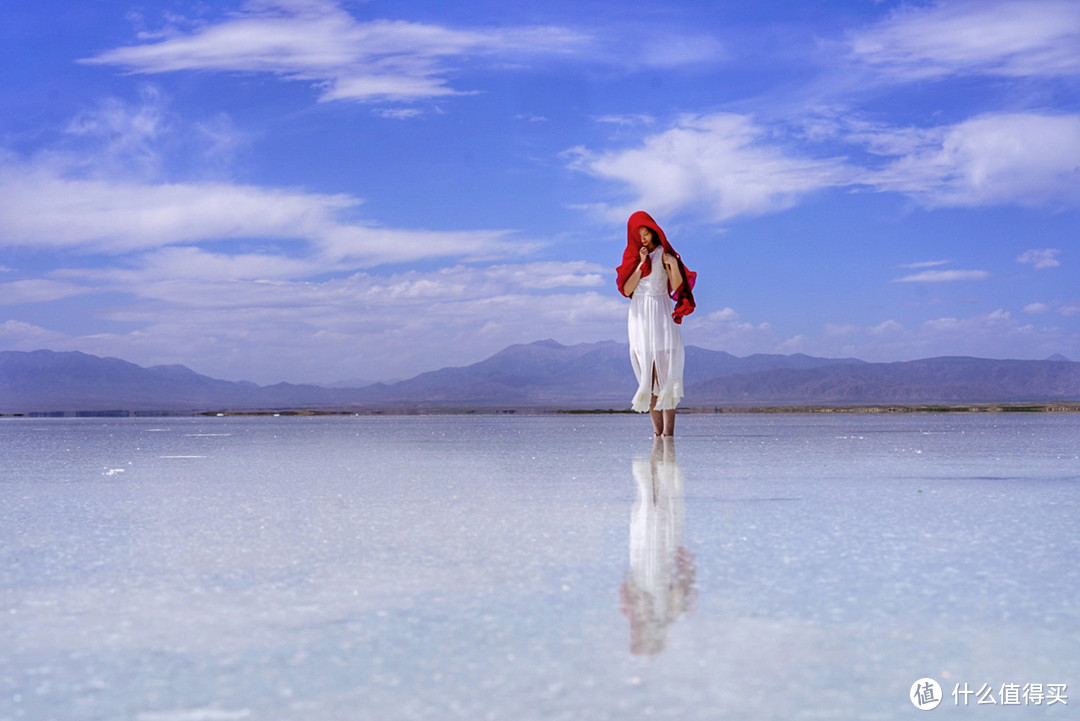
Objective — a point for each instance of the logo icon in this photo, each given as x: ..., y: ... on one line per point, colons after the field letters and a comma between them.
x: 925, y: 694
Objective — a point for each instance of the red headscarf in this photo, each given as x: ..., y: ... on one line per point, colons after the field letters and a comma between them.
x: 684, y: 295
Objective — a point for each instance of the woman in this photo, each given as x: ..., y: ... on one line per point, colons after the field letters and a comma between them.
x: 656, y: 347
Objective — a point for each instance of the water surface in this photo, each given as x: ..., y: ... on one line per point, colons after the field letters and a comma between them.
x: 535, y: 567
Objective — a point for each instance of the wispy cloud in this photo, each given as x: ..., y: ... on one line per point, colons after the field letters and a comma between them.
x: 37, y: 290
x: 629, y: 120
x: 666, y: 51
x: 42, y: 208
x: 319, y: 42
x: 943, y: 276
x: 125, y: 137
x: 925, y: 264
x: 140, y: 139
x: 1040, y: 259
x: 987, y: 37
x: 1064, y: 309
x: 399, y: 113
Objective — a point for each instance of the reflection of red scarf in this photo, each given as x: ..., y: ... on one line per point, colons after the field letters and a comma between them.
x: 684, y: 296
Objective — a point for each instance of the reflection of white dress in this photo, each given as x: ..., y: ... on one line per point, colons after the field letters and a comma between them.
x: 659, y: 585
x: 655, y: 341
x: 656, y: 532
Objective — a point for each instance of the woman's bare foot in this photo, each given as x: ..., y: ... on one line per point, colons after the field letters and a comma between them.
x: 657, y: 419
x: 668, y: 430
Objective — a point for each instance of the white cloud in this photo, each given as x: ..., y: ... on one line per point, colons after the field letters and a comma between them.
x: 987, y: 37
x: 1040, y: 259
x: 723, y: 163
x: 886, y: 328
x: 317, y: 41
x: 1007, y: 158
x: 943, y: 276
x: 41, y: 207
x: 1036, y: 308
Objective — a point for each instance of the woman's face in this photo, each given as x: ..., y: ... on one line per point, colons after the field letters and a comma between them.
x: 647, y: 238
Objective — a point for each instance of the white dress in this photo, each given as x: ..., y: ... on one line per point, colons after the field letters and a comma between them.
x: 656, y: 347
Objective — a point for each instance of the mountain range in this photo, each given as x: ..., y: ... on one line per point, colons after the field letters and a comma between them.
x: 544, y: 374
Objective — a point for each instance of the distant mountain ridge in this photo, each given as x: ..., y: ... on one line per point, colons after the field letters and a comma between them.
x: 46, y: 381
x: 544, y: 374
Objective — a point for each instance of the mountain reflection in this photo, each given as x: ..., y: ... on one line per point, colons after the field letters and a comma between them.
x: 659, y: 585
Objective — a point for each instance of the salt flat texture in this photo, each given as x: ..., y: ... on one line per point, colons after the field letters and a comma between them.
x: 539, y: 567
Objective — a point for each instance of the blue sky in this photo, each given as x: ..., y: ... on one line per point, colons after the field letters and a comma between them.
x: 322, y: 190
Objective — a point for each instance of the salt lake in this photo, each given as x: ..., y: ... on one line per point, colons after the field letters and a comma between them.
x: 757, y: 566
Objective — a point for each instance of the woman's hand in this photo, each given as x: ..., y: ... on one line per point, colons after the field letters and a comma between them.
x: 643, y: 253
x: 670, y: 262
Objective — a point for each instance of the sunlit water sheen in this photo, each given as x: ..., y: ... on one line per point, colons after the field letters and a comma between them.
x: 535, y: 567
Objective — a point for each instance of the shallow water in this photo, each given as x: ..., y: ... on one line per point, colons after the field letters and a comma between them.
x: 537, y: 567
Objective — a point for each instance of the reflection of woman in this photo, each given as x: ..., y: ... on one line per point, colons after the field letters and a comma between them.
x: 660, y: 583
x: 656, y: 347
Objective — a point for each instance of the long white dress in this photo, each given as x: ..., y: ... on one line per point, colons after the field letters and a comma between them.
x: 656, y: 347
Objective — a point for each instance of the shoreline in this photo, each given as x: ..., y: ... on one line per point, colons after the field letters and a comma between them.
x: 815, y: 409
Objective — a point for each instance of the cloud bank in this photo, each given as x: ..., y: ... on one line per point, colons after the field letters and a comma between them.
x: 728, y: 165
x: 382, y: 326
